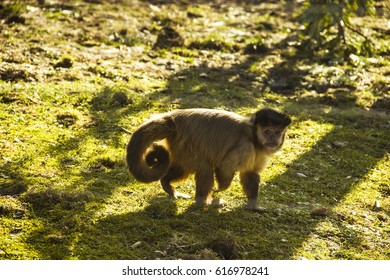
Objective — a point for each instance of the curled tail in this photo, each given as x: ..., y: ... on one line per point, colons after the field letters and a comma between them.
x: 146, y: 160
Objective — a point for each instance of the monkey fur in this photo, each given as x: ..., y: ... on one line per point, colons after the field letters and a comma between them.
x: 210, y: 144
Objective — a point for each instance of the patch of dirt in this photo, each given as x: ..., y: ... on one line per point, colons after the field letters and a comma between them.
x: 64, y: 63
x: 13, y: 188
x: 226, y: 246
x: 66, y: 119
x: 16, y: 75
x: 382, y: 104
x: 169, y: 38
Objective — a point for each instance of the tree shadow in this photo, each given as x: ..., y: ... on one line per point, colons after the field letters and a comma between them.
x: 161, y: 230
x: 12, y: 181
x: 61, y: 206
x: 228, y: 87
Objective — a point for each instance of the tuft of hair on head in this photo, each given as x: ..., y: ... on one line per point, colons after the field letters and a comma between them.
x: 269, y: 117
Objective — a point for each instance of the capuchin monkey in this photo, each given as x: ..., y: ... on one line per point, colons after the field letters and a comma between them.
x: 207, y: 143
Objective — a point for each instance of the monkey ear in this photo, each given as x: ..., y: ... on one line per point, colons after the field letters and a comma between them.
x: 252, y: 119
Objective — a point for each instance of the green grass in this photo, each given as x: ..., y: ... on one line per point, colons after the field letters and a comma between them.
x: 74, y: 78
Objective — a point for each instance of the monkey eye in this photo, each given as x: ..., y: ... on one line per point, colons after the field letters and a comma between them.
x: 277, y: 132
x: 268, y: 132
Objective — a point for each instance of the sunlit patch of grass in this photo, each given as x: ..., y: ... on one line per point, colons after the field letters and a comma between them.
x: 297, y: 145
x: 358, y: 224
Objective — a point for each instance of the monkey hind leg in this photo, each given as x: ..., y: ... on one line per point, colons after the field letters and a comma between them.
x: 175, y: 172
x: 204, y: 180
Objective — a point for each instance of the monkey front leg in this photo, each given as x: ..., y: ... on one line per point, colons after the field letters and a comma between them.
x: 250, y: 182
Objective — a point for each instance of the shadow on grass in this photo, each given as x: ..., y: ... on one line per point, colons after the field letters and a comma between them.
x: 160, y: 231
x: 65, y: 195
x: 212, y: 87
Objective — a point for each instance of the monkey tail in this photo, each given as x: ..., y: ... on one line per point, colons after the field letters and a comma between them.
x: 147, y: 161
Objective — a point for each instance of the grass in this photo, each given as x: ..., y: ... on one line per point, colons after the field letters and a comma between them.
x: 76, y: 76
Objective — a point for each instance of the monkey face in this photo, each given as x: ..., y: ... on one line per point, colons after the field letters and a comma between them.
x: 271, y: 138
x: 270, y: 129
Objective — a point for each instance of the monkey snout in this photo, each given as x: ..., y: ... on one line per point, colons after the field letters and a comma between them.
x: 272, y: 144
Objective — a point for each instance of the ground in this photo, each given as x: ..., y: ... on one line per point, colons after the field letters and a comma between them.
x: 77, y: 76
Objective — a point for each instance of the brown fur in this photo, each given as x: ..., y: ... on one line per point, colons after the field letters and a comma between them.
x: 207, y: 143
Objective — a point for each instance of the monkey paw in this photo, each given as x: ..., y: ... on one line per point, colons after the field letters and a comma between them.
x: 259, y: 209
x: 252, y: 205
x: 219, y: 202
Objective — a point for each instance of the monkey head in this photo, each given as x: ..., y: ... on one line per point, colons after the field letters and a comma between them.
x: 270, y: 129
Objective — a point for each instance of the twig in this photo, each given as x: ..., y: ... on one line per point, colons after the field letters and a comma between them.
x: 125, y: 130
x: 357, y: 32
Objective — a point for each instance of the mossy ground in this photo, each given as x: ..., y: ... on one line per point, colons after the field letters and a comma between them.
x: 76, y: 75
